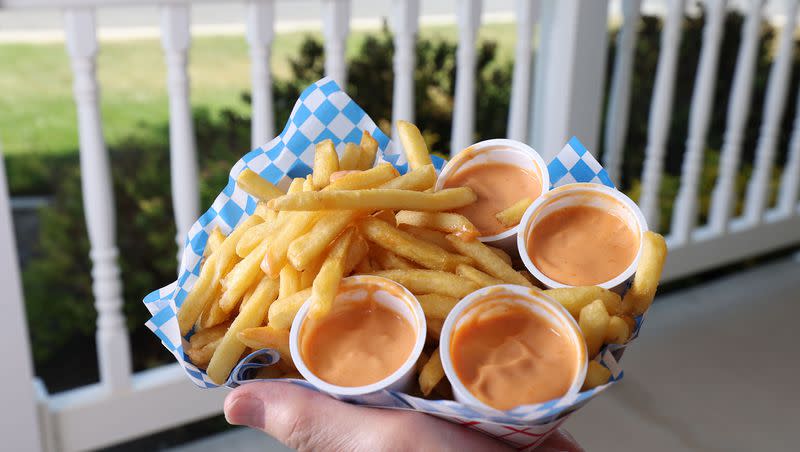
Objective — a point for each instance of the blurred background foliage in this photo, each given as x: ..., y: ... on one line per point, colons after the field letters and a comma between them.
x: 56, y: 280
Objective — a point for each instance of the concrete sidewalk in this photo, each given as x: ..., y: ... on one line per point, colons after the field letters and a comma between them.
x: 715, y: 369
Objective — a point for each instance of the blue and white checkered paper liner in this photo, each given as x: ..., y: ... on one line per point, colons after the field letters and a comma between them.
x: 324, y: 111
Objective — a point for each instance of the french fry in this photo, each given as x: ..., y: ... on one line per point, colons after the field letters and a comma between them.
x: 387, y: 260
x: 309, y: 246
x: 257, y: 186
x: 359, y: 250
x: 413, y: 145
x: 364, y: 266
x: 369, y: 148
x: 201, y: 356
x: 326, y: 162
x: 434, y: 330
x: 241, y: 277
x: 254, y: 236
x: 575, y: 298
x: 512, y: 215
x: 432, y: 372
x: 501, y: 254
x: 296, y: 186
x: 361, y: 180
x: 267, y: 214
x: 213, y: 314
x: 289, y: 281
x: 295, y: 225
x: 210, y: 274
x: 430, y: 281
x: 423, y: 358
x: 376, y: 199
x: 282, y: 312
x: 645, y: 282
x: 214, y: 241
x: 485, y: 259
x: 593, y: 321
x: 418, y: 179
x: 205, y: 336
x: 351, y: 157
x: 441, y: 221
x: 527, y: 275
x: 618, y: 331
x: 267, y: 337
x: 386, y: 215
x: 596, y: 375
x: 405, y: 245
x: 308, y: 275
x: 326, y: 284
x: 436, y: 306
x: 308, y: 184
x: 230, y: 349
x: 437, y: 238
x: 477, y: 276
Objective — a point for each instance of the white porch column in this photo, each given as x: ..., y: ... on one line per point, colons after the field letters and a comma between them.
x: 335, y: 28
x: 405, y: 23
x: 518, y: 110
x: 469, y: 19
x: 260, y: 19
x: 570, y: 71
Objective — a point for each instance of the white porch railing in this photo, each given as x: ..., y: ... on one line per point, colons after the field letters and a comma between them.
x: 554, y: 95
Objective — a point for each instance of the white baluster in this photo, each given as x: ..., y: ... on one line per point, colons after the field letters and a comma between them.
x: 98, y: 202
x: 684, y: 213
x: 176, y: 39
x: 619, y: 99
x: 336, y: 27
x: 777, y: 86
x: 660, y: 113
x: 790, y: 180
x: 523, y: 67
x: 469, y: 19
x: 738, y: 108
x: 260, y: 19
x: 405, y: 24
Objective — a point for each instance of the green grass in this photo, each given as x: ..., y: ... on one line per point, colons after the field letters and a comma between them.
x: 37, y: 113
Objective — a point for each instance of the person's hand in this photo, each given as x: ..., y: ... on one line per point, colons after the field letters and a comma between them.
x: 308, y: 420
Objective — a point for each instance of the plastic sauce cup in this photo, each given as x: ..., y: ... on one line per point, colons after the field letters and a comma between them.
x: 511, y: 152
x: 582, y: 194
x: 355, y: 290
x: 532, y: 299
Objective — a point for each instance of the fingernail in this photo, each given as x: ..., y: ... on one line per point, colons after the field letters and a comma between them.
x: 245, y: 411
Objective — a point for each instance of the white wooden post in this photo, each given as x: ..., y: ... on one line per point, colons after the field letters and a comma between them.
x: 336, y: 27
x: 736, y: 120
x: 98, y: 202
x: 790, y: 180
x: 469, y: 19
x: 570, y: 72
x: 527, y: 10
x: 684, y: 213
x: 20, y: 427
x: 660, y: 113
x: 619, y: 99
x: 176, y: 39
x: 260, y: 19
x: 405, y: 24
x: 777, y: 86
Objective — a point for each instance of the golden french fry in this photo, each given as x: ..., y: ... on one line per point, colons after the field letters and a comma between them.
x: 267, y: 337
x: 205, y: 336
x: 386, y: 215
x: 575, y: 298
x: 423, y: 358
x: 645, y: 281
x: 248, y: 294
x: 501, y: 254
x: 309, y: 246
x: 387, y: 260
x: 630, y: 321
x: 441, y: 221
x: 432, y: 372
x: 201, y: 356
x: 359, y: 250
x: 296, y: 224
x: 213, y: 314
x: 479, y: 277
x: 527, y: 275
x: 364, y: 266
x: 296, y: 186
x: 485, y: 259
x: 214, y: 241
x: 351, y: 157
x: 308, y: 185
x: 282, y: 312
x: 308, y: 275
x: 241, y: 277
x: 437, y: 238
x: 254, y: 236
x: 413, y: 145
x: 405, y: 245
x: 230, y: 349
x: 596, y: 375
x: 434, y: 330
x: 369, y: 148
x: 618, y: 331
x: 212, y: 271
x: 436, y: 306
x: 326, y: 162
x: 326, y: 284
x: 430, y: 281
x: 418, y: 179
x: 361, y: 180
x: 267, y: 214
x: 376, y: 199
x: 289, y: 281
x: 593, y: 321
x: 512, y: 215
x: 257, y: 186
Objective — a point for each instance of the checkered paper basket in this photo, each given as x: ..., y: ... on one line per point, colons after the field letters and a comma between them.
x: 322, y: 112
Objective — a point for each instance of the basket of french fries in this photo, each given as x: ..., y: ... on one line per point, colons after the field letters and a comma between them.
x: 494, y: 290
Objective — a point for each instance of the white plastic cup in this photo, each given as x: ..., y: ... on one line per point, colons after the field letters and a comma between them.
x: 532, y: 299
x: 387, y: 293
x: 582, y: 194
x: 511, y: 152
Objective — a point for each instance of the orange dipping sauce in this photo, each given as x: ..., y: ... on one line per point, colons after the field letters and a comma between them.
x: 582, y: 245
x: 508, y: 356
x: 498, y: 186
x: 358, y: 345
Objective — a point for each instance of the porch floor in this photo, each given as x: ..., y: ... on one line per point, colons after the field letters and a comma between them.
x: 715, y: 369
